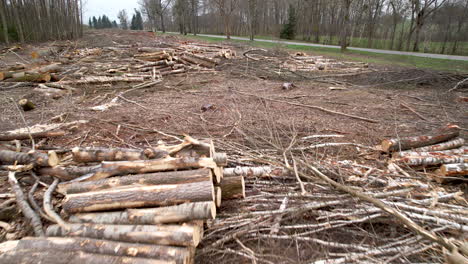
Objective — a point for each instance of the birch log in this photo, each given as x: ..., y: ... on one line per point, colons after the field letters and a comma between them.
x: 36, y: 158
x: 436, y: 136
x: 431, y: 160
x: 232, y: 187
x: 451, y: 144
x: 151, y: 216
x: 161, y: 178
x: 458, y: 151
x: 171, y: 235
x: 95, y: 246
x: 263, y: 171
x: 454, y: 170
x: 32, y: 256
x: 141, y: 196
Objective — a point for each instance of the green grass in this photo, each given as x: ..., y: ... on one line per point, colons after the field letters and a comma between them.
x: 362, y: 56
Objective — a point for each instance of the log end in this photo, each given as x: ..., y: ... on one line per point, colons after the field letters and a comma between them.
x: 26, y: 104
x: 218, y: 174
x: 220, y: 159
x: 243, y: 187
x: 8, y: 246
x: 386, y: 145
x: 213, y: 211
x: 218, y: 197
x: 53, y: 159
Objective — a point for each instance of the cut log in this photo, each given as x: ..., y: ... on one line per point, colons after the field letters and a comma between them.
x: 26, y: 104
x: 103, y: 79
x: 197, y: 61
x: 157, y: 63
x: 134, y: 197
x: 453, y: 170
x: 8, y: 157
x: 31, y: 77
x: 431, y: 160
x: 178, y: 254
x: 51, y: 68
x: 156, y: 56
x: 172, y: 72
x: 21, y: 136
x: 436, y: 136
x: 202, y: 58
x: 69, y: 173
x: 458, y: 151
x: 33, y: 256
x: 172, y: 177
x: 116, y: 154
x: 51, y: 92
x: 171, y: 235
x: 264, y: 171
x: 232, y: 187
x: 151, y: 216
x: 451, y: 144
x: 218, y: 196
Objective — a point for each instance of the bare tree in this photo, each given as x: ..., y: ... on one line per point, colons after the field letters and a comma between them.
x: 345, y: 26
x: 226, y: 8
x: 123, y: 19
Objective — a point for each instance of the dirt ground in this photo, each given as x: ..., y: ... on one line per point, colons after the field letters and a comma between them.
x: 246, y: 107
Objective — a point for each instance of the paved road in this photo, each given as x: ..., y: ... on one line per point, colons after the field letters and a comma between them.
x: 426, y: 55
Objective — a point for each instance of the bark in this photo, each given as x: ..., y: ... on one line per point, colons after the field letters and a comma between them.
x: 436, y: 136
x: 232, y: 187
x: 345, y: 26
x: 431, y: 160
x: 162, y: 215
x: 32, y: 256
x: 453, y: 170
x: 171, y: 235
x: 451, y: 144
x: 26, y: 210
x: 26, y: 104
x: 161, y: 178
x: 68, y: 173
x: 36, y: 158
x: 198, y: 61
x: 95, y: 246
x: 21, y: 136
x: 264, y: 171
x: 133, y: 197
x: 458, y: 151
x: 115, y: 154
x: 30, y: 77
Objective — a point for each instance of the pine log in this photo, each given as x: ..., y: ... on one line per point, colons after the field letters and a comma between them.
x: 162, y: 215
x: 171, y: 177
x: 21, y: 136
x: 26, y: 104
x: 453, y: 170
x: 436, y: 136
x: 140, y: 196
x: 171, y: 235
x: 218, y: 196
x: 31, y: 77
x: 70, y: 172
x: 232, y: 187
x: 33, y: 256
x: 198, y: 61
x: 458, y: 151
x: 116, y: 154
x: 451, y: 144
x: 38, y: 159
x: 431, y: 160
x: 95, y: 246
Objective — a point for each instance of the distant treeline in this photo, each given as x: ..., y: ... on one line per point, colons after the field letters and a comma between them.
x: 32, y: 20
x: 102, y: 22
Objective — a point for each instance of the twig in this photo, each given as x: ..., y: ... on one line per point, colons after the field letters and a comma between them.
x: 246, y: 54
x: 312, y: 107
x: 25, y: 124
x: 458, y: 85
x: 49, y: 209
x: 301, y: 184
x: 414, y: 111
x: 27, y: 211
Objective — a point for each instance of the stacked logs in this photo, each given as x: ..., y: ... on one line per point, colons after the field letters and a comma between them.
x: 131, y: 206
x: 442, y: 148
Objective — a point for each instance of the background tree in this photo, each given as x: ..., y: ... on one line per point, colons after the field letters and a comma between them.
x: 289, y: 29
x: 123, y: 19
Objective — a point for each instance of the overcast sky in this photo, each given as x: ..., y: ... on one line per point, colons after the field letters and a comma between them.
x: 109, y: 8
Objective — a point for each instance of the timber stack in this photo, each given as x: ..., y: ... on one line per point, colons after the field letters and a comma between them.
x: 442, y: 148
x: 125, y: 205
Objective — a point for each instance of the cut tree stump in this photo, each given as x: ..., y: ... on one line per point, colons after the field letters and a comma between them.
x: 8, y: 157
x: 172, y: 177
x: 171, y: 235
x: 232, y: 187
x: 95, y: 246
x: 451, y: 144
x: 33, y: 256
x: 140, y: 196
x: 436, y: 136
x: 22, y: 136
x: 26, y: 104
x: 162, y: 215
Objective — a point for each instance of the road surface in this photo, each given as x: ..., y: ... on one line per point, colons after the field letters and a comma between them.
x: 394, y: 52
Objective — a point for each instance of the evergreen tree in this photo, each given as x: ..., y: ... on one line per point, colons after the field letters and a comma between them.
x: 289, y: 29
x: 95, y: 22
x: 90, y: 23
x: 139, y: 20
x: 133, y: 23
x: 99, y: 23
x: 114, y: 24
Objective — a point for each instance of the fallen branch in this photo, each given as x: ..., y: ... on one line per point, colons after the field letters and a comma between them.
x: 48, y: 208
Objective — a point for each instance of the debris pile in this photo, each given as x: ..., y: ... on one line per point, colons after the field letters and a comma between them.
x: 153, y: 212
x: 441, y: 147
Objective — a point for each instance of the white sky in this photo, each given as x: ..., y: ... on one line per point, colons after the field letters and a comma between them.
x: 109, y: 8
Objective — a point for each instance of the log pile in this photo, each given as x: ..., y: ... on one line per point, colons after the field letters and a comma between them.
x: 441, y: 148
x: 126, y: 205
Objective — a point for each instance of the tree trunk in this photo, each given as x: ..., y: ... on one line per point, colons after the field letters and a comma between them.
x: 162, y: 215
x: 4, y: 23
x: 432, y: 137
x: 408, y: 153
x: 38, y: 159
x: 32, y: 256
x: 171, y: 235
x: 134, y: 197
x: 430, y: 160
x: 85, y: 155
x: 68, y: 173
x: 451, y: 144
x: 344, y: 29
x: 232, y: 187
x: 105, y: 247
x: 161, y: 178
